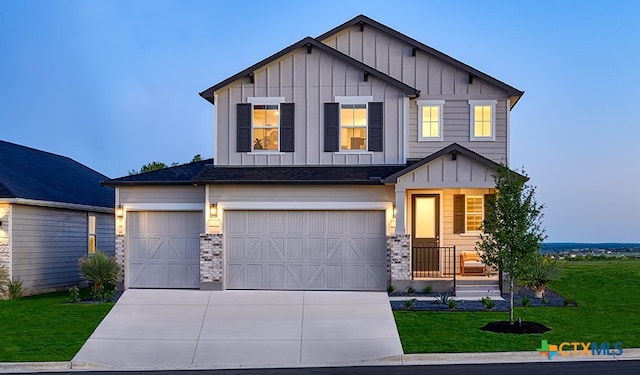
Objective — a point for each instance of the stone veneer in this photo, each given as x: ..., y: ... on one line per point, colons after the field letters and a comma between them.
x: 211, y: 261
x: 120, y: 260
x: 5, y: 253
x: 398, y: 251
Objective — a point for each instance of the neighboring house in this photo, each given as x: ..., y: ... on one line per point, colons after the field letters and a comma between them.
x: 53, y: 211
x: 348, y: 161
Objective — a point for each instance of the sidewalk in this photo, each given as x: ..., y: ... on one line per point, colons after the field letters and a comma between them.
x: 403, y: 360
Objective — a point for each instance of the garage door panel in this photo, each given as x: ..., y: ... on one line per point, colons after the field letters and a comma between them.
x: 164, y: 249
x: 305, y: 250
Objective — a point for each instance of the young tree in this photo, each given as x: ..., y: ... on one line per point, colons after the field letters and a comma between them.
x: 512, y: 227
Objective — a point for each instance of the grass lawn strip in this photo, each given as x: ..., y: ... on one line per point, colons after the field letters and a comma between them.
x: 608, y: 304
x: 46, y: 327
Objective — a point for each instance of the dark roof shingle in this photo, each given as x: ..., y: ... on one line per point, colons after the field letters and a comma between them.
x: 28, y: 173
x: 176, y: 175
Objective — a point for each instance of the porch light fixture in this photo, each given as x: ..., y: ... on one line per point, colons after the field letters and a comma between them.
x: 366, y: 76
x: 213, y: 210
x: 119, y: 211
x: 0, y: 224
x: 454, y: 155
x: 395, y: 211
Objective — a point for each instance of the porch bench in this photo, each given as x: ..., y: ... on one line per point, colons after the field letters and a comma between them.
x: 470, y: 263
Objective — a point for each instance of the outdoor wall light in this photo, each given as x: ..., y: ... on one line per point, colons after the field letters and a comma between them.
x: 0, y: 224
x: 213, y: 210
x: 395, y: 211
x: 119, y: 211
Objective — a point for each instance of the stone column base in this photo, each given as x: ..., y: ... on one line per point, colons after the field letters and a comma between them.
x: 211, y: 262
x: 398, y: 254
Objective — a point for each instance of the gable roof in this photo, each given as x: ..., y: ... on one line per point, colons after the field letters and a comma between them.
x: 27, y: 173
x: 453, y: 149
x: 176, y: 175
x: 364, y: 20
x: 309, y: 42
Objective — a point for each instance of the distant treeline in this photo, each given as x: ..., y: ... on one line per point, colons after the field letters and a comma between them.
x: 567, y: 246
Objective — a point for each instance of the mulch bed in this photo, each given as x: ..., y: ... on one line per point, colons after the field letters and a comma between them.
x: 552, y: 299
x: 517, y: 327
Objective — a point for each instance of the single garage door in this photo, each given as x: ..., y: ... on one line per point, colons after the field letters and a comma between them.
x: 164, y: 249
x: 306, y: 250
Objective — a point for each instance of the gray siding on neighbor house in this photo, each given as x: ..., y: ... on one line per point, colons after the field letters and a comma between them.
x: 105, y: 233
x: 436, y: 80
x: 309, y: 81
x: 46, y: 245
x: 161, y: 194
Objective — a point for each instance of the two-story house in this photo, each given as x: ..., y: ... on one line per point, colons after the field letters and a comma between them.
x: 348, y: 161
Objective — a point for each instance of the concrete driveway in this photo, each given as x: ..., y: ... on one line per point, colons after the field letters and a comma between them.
x: 196, y: 329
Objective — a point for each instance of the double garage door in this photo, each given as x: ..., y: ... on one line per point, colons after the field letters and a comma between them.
x: 305, y: 250
x: 286, y: 250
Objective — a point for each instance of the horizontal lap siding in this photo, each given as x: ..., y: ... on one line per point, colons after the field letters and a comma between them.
x: 105, y: 233
x: 309, y: 81
x: 164, y: 194
x: 47, y: 244
x: 284, y: 193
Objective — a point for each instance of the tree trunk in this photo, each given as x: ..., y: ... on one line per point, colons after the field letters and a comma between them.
x: 510, y: 299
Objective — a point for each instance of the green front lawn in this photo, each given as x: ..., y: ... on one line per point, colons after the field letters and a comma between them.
x: 46, y: 327
x: 608, y: 298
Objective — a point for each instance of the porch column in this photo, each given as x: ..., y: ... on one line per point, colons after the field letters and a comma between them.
x: 398, y: 252
x: 400, y: 210
x: 211, y: 261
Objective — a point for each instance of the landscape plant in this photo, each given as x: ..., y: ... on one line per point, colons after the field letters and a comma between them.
x: 512, y: 228
x: 488, y: 303
x: 102, y: 271
x: 74, y: 294
x: 427, y: 289
x: 391, y: 288
x: 411, y: 290
x: 540, y: 272
x: 14, y: 288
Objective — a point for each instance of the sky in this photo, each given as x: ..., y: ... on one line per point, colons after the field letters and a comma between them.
x: 114, y: 84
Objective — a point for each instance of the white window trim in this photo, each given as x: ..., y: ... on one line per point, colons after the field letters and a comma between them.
x: 466, y: 213
x: 264, y: 100
x: 353, y: 100
x: 472, y: 105
x: 430, y: 103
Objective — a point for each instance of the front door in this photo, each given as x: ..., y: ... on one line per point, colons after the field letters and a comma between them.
x: 425, y: 231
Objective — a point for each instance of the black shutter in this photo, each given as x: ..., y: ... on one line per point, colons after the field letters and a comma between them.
x: 376, y: 138
x: 331, y: 127
x: 287, y: 116
x: 244, y: 127
x: 458, y: 213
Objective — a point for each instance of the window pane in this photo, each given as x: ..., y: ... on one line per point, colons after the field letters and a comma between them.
x: 353, y: 127
x: 425, y: 217
x: 430, y: 122
x: 265, y: 139
x: 474, y: 213
x: 482, y: 121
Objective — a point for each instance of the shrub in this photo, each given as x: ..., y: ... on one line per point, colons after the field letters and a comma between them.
x: 526, y: 300
x: 443, y: 299
x: 488, y: 303
x: 408, y: 304
x: 411, y: 290
x: 102, y: 271
x: 391, y: 288
x: 452, y: 303
x: 74, y: 294
x: 14, y: 288
x: 540, y: 272
x: 427, y: 289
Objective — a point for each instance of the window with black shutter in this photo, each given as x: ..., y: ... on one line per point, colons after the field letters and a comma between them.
x: 243, y: 127
x: 331, y: 127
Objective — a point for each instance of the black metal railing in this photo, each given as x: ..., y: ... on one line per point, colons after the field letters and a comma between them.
x: 437, y: 262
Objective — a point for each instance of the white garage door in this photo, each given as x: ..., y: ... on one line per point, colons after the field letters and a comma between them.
x: 306, y: 250
x: 164, y: 249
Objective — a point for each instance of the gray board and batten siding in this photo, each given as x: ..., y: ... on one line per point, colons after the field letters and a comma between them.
x: 308, y: 81
x: 436, y: 80
x: 47, y: 243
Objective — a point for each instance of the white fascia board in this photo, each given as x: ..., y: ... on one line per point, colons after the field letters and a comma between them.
x: 163, y: 206
x: 303, y: 206
x: 68, y: 206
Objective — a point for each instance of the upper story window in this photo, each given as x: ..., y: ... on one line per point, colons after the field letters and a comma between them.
x: 430, y: 120
x: 265, y: 124
x: 353, y: 124
x: 483, y: 120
